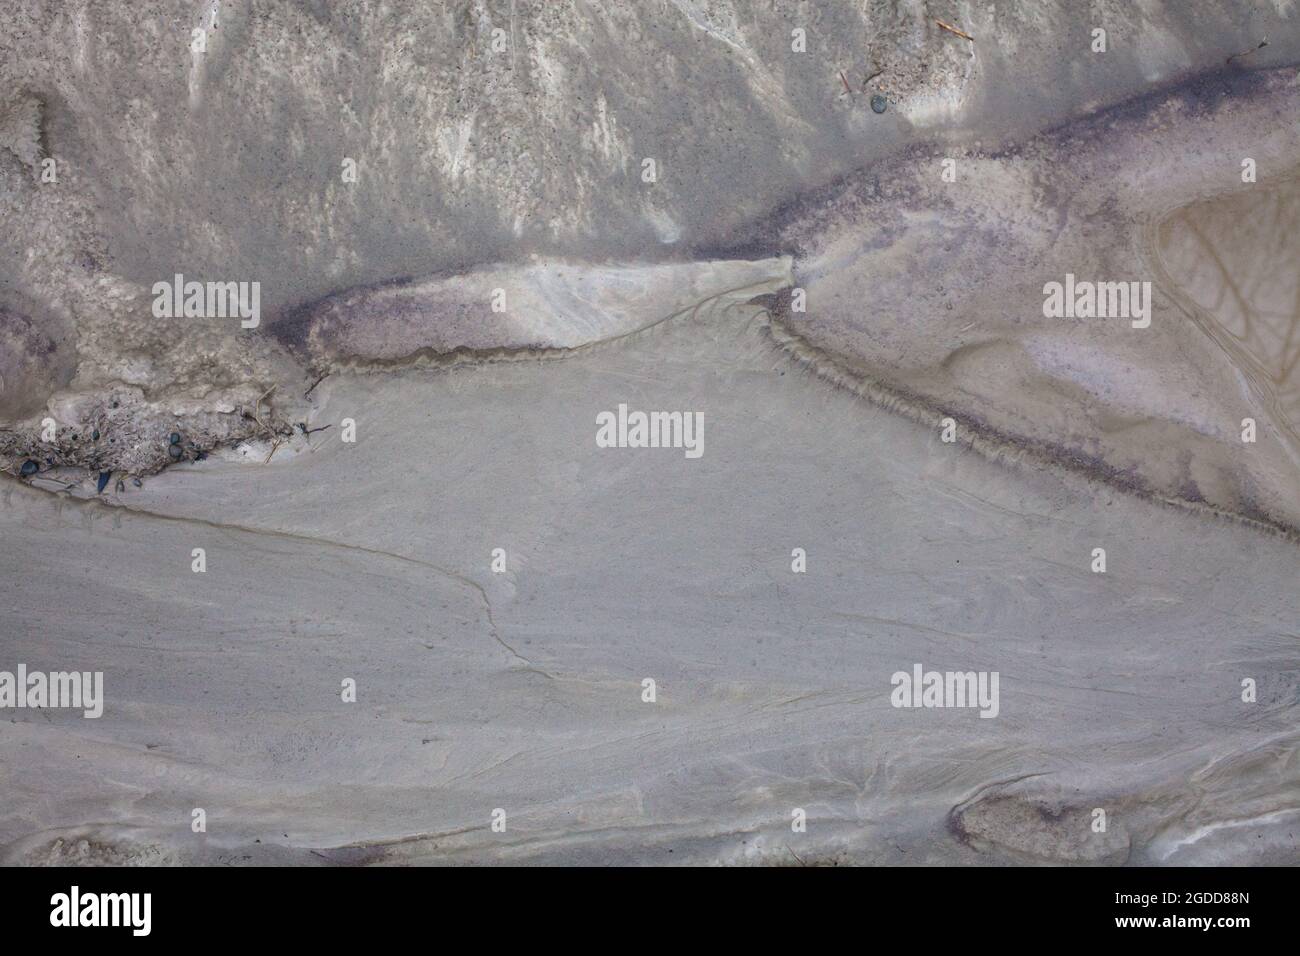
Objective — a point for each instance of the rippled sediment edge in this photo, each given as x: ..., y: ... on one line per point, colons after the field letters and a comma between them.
x: 992, y: 443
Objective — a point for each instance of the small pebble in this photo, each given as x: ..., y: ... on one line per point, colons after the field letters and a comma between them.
x: 174, y: 438
x: 137, y: 482
x: 879, y: 104
x: 103, y: 481
x: 174, y: 451
x: 94, y: 436
x: 29, y: 468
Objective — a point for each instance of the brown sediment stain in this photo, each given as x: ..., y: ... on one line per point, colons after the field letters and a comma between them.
x: 1039, y: 828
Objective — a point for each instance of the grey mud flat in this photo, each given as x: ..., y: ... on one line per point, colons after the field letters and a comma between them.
x: 522, y: 690
x: 519, y: 169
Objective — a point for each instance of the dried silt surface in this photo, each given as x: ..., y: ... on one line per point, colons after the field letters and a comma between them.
x: 475, y: 228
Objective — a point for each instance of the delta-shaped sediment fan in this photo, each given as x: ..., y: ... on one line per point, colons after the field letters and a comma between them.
x: 931, y: 288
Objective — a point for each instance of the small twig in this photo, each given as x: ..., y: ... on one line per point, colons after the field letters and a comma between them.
x: 257, y: 408
x: 952, y: 29
x: 845, y: 81
x: 870, y: 78
x: 314, y: 384
x: 1236, y: 56
x: 271, y: 452
x: 795, y: 855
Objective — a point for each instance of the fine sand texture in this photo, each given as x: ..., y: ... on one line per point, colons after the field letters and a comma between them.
x: 642, y: 432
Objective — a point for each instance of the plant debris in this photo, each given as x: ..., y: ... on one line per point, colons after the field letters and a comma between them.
x: 952, y: 29
x: 314, y: 384
x: 1237, y: 56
